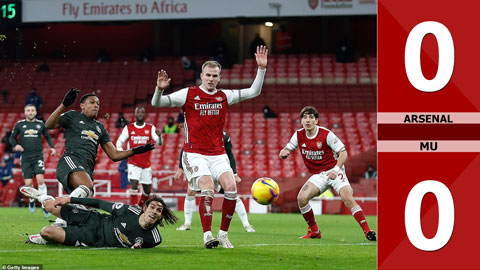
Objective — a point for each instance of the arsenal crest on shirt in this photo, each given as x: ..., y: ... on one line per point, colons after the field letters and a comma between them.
x: 319, y: 144
x: 313, y: 4
x: 219, y: 99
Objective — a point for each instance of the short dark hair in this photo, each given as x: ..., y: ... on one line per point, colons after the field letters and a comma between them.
x: 84, y: 97
x: 30, y: 105
x: 309, y: 110
x: 167, y: 213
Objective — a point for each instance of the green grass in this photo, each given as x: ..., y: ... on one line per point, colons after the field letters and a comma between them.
x: 275, y: 245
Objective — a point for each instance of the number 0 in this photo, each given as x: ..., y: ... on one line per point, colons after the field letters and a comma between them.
x: 446, y: 56
x: 446, y: 215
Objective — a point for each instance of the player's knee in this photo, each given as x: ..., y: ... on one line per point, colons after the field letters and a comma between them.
x: 47, y: 232
x: 134, y: 184
x: 302, y: 200
x: 229, y: 187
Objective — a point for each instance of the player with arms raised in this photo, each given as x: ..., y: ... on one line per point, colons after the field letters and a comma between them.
x: 139, y: 170
x: 204, y: 158
x: 324, y: 155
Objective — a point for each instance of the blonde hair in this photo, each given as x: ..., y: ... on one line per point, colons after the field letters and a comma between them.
x: 211, y: 64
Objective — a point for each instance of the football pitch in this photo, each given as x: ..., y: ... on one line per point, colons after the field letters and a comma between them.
x: 275, y: 245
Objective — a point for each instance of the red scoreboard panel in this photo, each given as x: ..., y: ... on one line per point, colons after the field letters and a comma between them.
x: 428, y: 134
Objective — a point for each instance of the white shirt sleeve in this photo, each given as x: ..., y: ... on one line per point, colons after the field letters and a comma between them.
x: 176, y: 99
x: 335, y: 143
x: 236, y: 96
x: 157, y: 139
x: 293, y: 143
x: 122, y: 138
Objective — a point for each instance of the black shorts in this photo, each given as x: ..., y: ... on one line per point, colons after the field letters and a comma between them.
x: 32, y: 166
x: 67, y: 165
x: 84, y: 227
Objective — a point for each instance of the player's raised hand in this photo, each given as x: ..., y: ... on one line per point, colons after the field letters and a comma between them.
x: 261, y: 56
x: 70, y: 97
x: 143, y: 148
x: 163, y: 81
x: 284, y: 154
x: 178, y: 174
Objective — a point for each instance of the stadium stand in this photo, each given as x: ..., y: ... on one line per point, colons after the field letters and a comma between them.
x: 344, y: 93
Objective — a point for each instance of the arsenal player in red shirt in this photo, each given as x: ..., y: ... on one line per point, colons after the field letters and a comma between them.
x: 204, y: 158
x: 324, y: 155
x: 139, y: 170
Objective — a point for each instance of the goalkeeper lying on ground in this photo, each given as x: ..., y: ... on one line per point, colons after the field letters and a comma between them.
x: 127, y: 226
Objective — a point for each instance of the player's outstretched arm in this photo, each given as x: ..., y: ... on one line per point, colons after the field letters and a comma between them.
x: 96, y: 203
x: 256, y: 87
x: 176, y: 99
x: 116, y: 155
x: 53, y: 120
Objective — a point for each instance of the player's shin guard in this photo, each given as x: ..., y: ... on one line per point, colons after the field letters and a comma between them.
x: 143, y: 199
x: 307, y: 213
x: 241, y: 212
x: 357, y: 213
x: 228, y: 208
x: 205, y: 209
x: 188, y: 208
x: 133, y: 193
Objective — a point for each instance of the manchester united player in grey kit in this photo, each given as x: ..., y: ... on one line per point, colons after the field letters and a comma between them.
x: 127, y: 226
x: 30, y: 131
x: 83, y: 135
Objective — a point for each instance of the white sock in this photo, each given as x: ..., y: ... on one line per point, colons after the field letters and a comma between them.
x: 242, y: 212
x: 80, y: 192
x: 44, y: 198
x: 220, y: 232
x: 188, y: 208
x: 43, y: 189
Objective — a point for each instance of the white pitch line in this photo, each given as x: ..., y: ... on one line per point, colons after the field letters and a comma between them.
x: 181, y: 246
